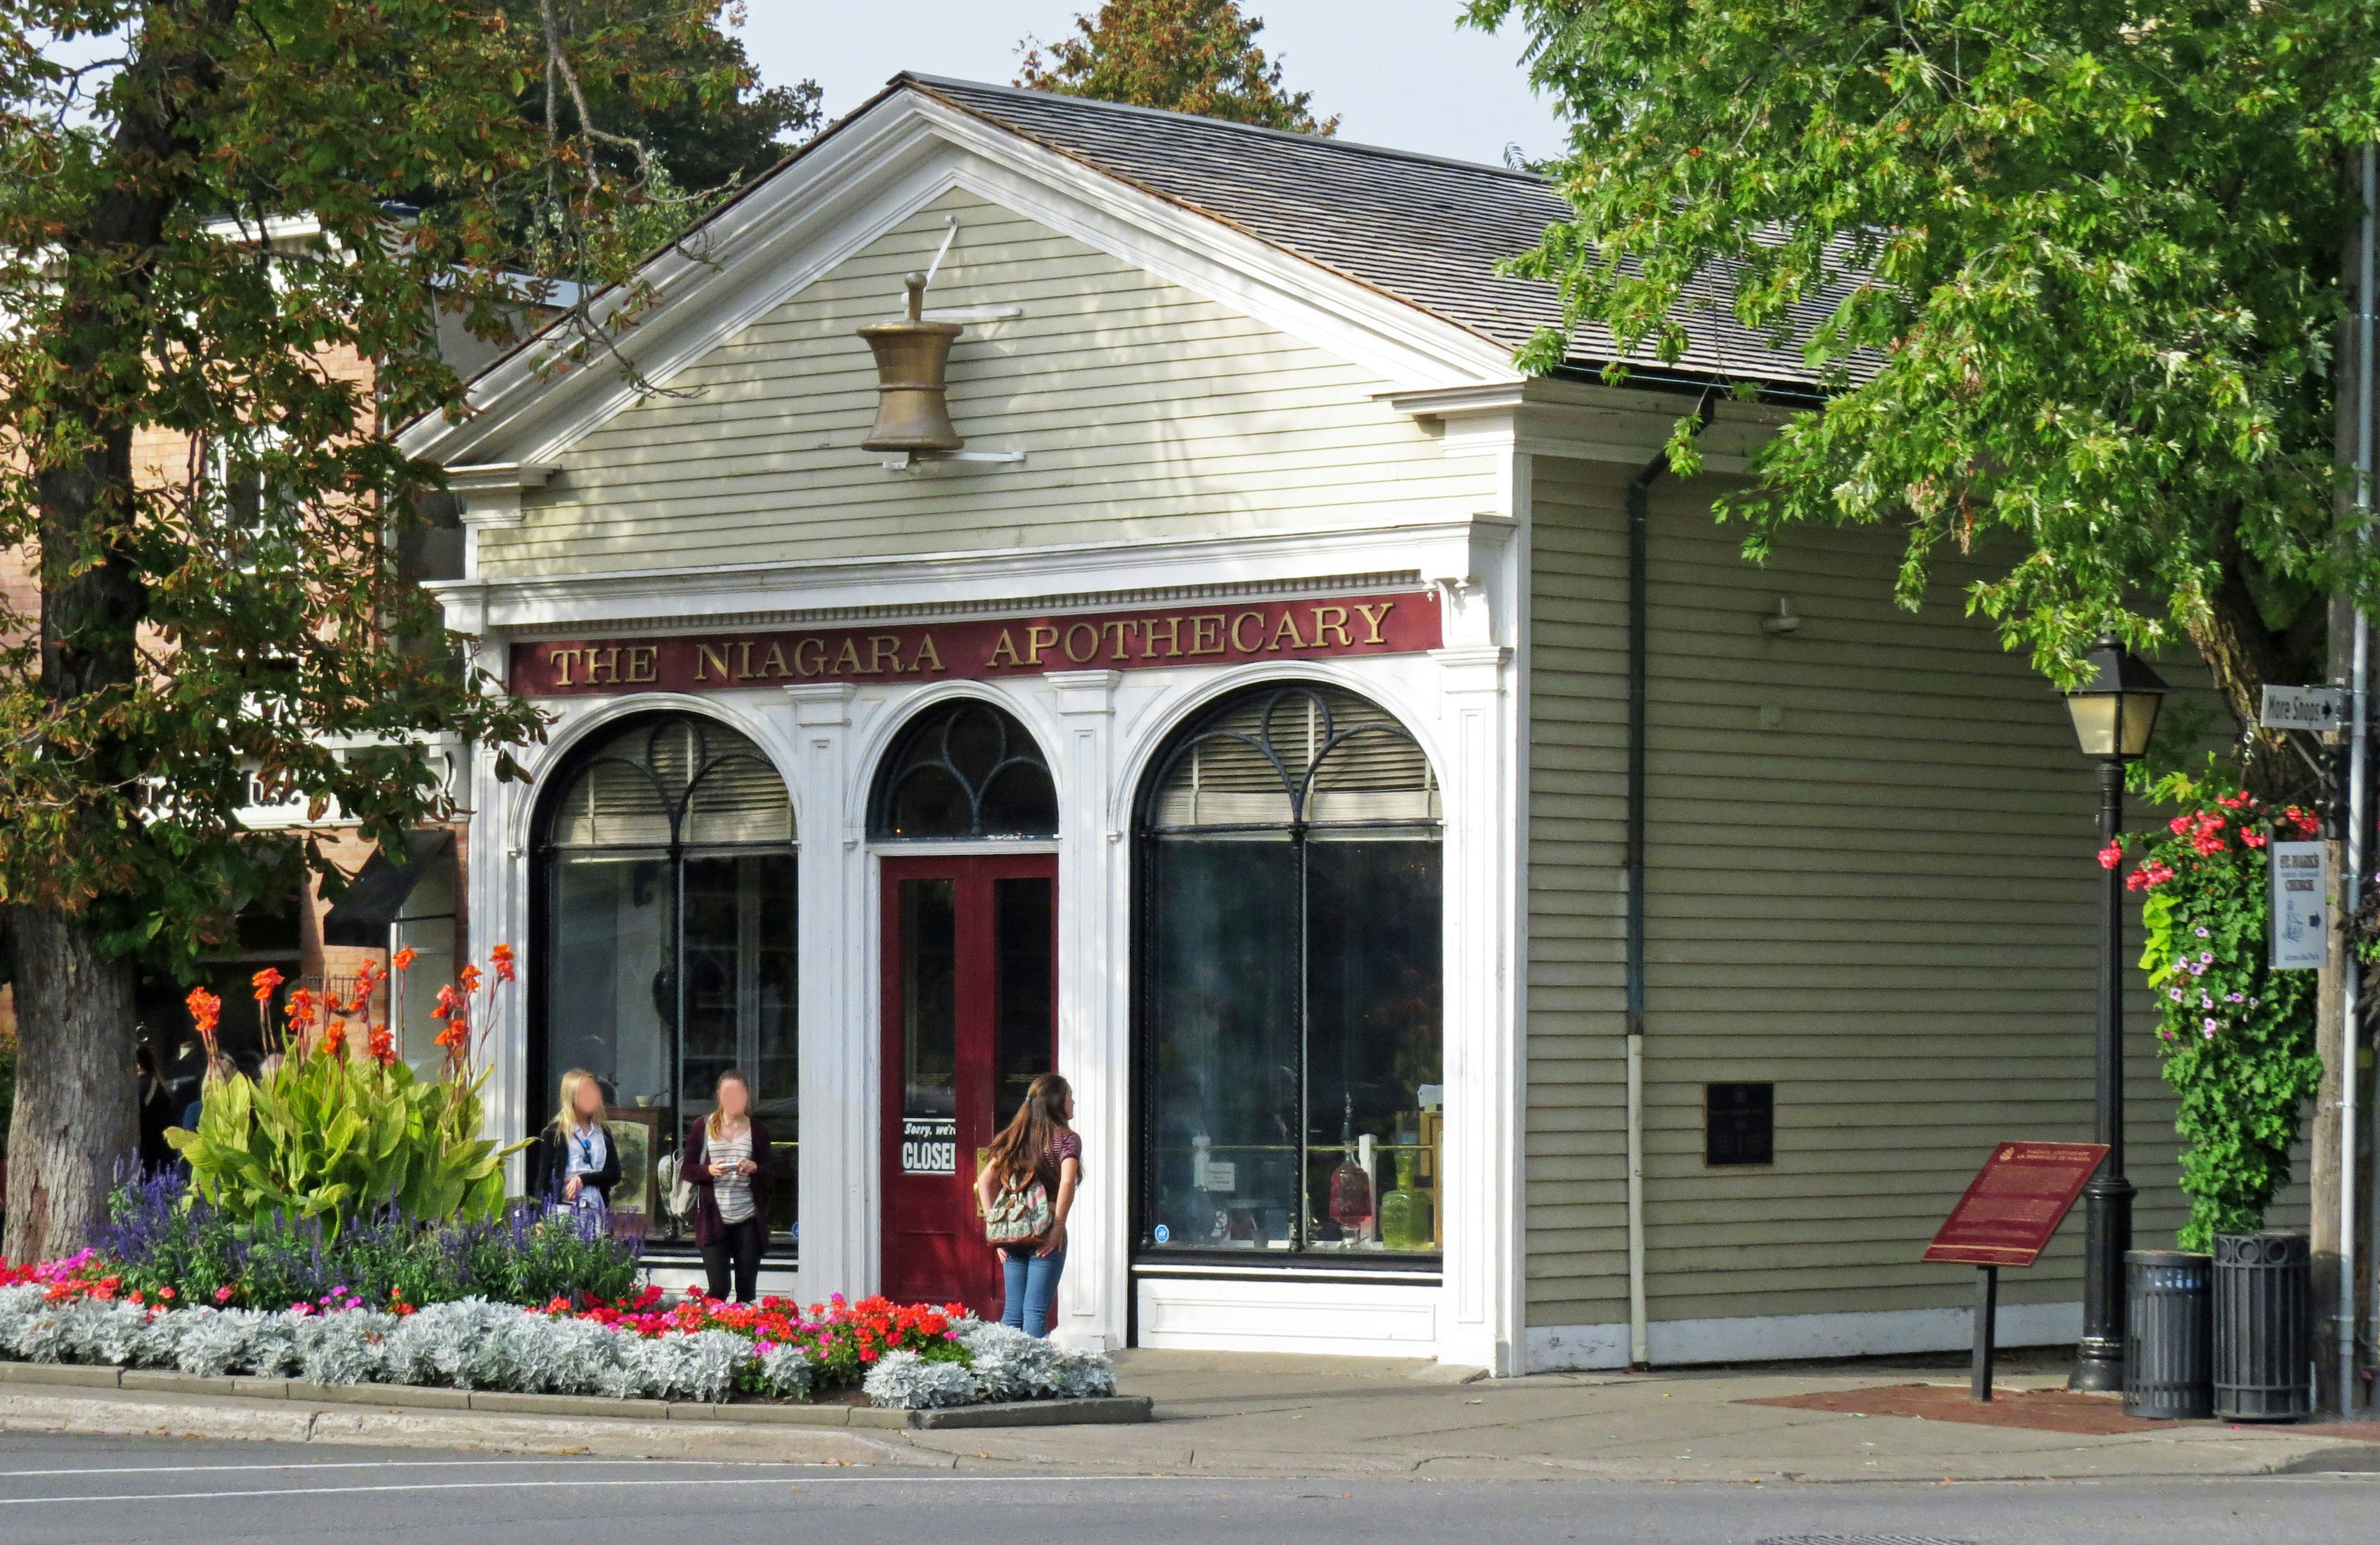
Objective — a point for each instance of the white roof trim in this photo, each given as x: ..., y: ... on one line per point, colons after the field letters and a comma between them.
x: 862, y: 180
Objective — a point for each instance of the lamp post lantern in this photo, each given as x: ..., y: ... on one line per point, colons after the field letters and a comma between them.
x: 2114, y: 713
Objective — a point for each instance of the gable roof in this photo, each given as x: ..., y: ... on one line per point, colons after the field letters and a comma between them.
x: 1386, y: 258
x: 1425, y: 230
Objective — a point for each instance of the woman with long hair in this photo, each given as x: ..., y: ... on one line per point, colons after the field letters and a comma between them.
x: 727, y: 1157
x: 1029, y: 1181
x: 574, y: 1162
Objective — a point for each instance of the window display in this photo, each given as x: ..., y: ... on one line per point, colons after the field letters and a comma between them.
x: 669, y: 930
x: 1290, y: 960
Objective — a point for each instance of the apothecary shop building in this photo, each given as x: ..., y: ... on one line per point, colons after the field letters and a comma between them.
x: 1237, y: 720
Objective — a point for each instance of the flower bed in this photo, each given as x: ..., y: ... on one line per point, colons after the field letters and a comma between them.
x: 908, y: 1355
x: 167, y: 1245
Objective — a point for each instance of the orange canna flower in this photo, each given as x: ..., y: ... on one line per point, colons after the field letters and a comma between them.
x: 206, y: 1009
x: 382, y: 1047
x: 470, y: 978
x: 302, y: 1008
x: 264, y: 981
x: 502, y: 958
x: 335, y: 1039
x: 403, y: 959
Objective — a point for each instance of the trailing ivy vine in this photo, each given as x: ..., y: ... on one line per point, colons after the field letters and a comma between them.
x: 2236, y: 1038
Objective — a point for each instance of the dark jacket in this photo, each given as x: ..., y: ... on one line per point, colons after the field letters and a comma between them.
x: 708, y: 1227
x: 549, y: 1165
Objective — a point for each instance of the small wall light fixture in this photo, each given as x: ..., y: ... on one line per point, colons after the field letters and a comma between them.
x: 1784, y: 621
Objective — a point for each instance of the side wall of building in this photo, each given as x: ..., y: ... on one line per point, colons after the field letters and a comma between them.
x: 1869, y: 883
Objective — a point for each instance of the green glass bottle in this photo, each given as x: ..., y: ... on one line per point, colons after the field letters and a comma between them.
x: 1404, y: 1212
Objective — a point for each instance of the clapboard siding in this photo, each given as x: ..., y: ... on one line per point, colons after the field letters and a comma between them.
x: 1884, y: 904
x: 1146, y: 412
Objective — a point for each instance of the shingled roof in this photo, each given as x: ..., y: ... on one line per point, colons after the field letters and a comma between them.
x: 1423, y: 229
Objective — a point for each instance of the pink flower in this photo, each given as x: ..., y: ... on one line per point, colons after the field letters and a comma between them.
x: 2111, y: 855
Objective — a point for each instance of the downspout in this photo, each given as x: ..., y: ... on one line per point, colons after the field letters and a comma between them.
x: 1632, y: 865
x: 2358, y: 788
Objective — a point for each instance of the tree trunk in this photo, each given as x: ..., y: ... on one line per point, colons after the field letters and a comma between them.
x: 76, y: 1115
x: 76, y: 1111
x: 2243, y: 655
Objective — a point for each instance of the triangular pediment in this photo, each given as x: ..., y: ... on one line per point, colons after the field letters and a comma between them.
x: 909, y: 156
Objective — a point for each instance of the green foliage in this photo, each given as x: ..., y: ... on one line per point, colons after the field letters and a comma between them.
x: 226, y: 614
x: 2236, y: 1038
x: 2071, y: 273
x: 540, y: 1258
x: 172, y: 1246
x: 1185, y: 56
x: 327, y: 1137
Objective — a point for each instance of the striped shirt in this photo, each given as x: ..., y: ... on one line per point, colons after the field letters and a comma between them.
x: 732, y: 1190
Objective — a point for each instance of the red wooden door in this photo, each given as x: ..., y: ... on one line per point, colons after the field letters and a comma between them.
x: 970, y: 1017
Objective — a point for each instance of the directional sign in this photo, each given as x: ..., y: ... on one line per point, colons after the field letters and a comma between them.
x: 2316, y: 710
x: 2016, y: 1203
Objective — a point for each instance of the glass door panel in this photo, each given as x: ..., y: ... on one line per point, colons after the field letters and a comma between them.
x: 929, y: 1029
x: 1024, y: 932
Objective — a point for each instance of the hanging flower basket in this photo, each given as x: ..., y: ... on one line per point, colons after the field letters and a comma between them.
x: 2236, y: 1038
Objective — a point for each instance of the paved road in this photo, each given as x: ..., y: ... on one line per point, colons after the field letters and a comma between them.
x: 72, y: 1491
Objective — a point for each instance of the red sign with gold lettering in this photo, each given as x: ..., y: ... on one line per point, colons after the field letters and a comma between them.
x: 2016, y: 1202
x: 1194, y: 634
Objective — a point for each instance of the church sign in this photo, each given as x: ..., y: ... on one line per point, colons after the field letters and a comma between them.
x: 1200, y: 633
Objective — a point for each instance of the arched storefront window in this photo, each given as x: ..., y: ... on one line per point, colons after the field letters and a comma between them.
x: 667, y: 889
x: 1289, y: 952
x: 964, y: 772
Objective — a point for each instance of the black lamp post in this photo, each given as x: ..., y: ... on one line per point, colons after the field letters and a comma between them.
x: 2114, y: 713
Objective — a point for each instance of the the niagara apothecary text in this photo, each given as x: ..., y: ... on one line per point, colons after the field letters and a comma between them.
x: 1207, y: 634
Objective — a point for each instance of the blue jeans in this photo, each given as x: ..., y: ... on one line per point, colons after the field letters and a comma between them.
x: 1032, y: 1293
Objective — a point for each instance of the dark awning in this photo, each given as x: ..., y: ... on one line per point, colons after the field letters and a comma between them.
x: 377, y: 895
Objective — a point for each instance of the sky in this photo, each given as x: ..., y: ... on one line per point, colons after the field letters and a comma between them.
x: 1397, y: 72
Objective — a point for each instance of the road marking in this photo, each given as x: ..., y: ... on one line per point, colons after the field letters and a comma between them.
x: 308, y: 1465
x: 586, y: 1481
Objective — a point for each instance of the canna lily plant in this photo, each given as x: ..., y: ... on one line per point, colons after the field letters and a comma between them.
x: 330, y: 1134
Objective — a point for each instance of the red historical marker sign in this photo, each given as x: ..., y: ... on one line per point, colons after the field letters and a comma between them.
x: 1198, y: 634
x: 2022, y: 1193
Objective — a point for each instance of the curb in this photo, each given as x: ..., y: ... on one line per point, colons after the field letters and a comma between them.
x: 295, y: 1422
x: 416, y: 1403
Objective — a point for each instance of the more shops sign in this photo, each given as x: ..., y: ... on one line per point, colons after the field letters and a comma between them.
x: 1402, y: 622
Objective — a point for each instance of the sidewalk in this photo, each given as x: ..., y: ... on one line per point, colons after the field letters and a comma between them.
x: 1243, y: 1414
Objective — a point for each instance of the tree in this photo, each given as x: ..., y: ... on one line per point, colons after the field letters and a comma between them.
x: 217, y: 321
x: 705, y: 142
x: 1186, y: 55
x: 2072, y: 271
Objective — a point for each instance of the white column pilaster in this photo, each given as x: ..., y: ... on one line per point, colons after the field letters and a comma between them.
x: 1094, y: 1008
x: 837, y: 1034
x: 1483, y: 1087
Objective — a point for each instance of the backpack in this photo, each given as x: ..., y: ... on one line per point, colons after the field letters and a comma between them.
x: 677, y: 1193
x: 1020, y: 1214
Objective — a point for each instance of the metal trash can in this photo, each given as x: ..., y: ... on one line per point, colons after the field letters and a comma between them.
x: 2169, y: 1336
x: 2264, y: 1326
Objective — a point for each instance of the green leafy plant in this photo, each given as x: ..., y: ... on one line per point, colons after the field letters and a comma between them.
x: 2068, y: 277
x: 2236, y: 1038
x: 327, y: 1135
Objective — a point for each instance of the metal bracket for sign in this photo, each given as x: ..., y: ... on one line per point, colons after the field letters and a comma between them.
x: 909, y: 461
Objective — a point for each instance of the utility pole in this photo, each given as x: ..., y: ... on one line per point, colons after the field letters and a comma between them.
x: 2338, y: 1025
